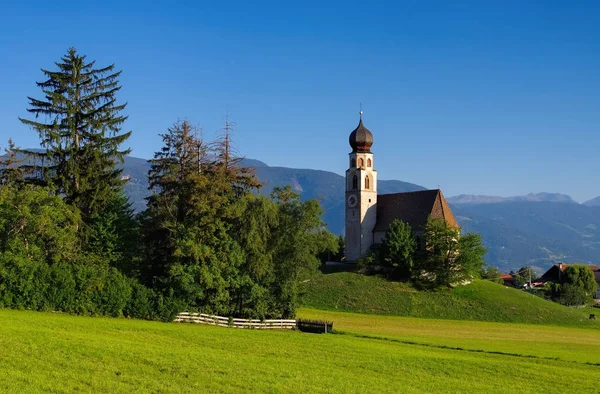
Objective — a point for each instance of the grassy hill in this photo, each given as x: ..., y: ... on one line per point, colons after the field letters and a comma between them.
x: 49, y: 352
x: 480, y: 300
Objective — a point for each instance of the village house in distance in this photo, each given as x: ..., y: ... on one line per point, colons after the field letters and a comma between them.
x: 369, y: 215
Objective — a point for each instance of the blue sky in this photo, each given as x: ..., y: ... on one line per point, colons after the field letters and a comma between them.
x: 479, y: 97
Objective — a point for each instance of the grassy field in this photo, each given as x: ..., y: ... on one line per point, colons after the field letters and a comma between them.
x: 480, y: 300
x: 44, y: 352
x: 552, y: 342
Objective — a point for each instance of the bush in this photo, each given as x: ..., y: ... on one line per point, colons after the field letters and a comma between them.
x: 571, y: 295
x: 79, y: 289
x: 145, y: 303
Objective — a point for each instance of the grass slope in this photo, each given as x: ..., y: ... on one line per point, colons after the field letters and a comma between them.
x: 480, y: 300
x: 47, y: 352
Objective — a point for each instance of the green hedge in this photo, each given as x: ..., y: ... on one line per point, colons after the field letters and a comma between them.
x: 79, y: 289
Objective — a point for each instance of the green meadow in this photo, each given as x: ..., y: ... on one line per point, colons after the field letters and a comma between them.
x: 541, y: 341
x: 51, y: 352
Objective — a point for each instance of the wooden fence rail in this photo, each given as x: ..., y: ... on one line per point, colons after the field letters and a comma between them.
x: 202, y: 318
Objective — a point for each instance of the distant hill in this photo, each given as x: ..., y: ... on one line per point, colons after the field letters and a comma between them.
x: 524, y: 230
x: 480, y: 300
x: 594, y: 202
x: 533, y: 197
x: 327, y: 187
x: 534, y: 233
x: 136, y: 170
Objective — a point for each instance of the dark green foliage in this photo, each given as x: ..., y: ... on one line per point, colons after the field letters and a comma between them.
x: 37, y: 225
x: 570, y: 295
x: 449, y: 258
x: 470, y: 256
x: 188, y: 246
x: 298, y: 238
x: 217, y: 246
x: 80, y: 132
x: 523, y: 275
x: 398, y: 249
x: 582, y: 277
x: 74, y: 288
x: 335, y: 252
x: 443, y: 258
x: 113, y: 236
x: 491, y: 273
x: 576, y: 286
x: 79, y: 289
x: 69, y: 241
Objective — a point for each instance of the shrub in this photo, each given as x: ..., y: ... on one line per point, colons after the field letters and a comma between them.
x: 80, y: 289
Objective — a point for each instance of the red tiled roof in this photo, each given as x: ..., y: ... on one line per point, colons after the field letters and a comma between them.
x: 552, y: 273
x: 506, y: 276
x: 413, y: 208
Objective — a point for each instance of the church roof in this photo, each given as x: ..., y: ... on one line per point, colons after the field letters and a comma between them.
x: 413, y: 208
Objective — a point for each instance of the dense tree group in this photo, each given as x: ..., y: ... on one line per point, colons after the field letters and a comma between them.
x: 575, y: 287
x: 207, y: 241
x: 441, y: 256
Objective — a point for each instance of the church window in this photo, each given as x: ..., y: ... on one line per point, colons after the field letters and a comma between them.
x: 367, y: 182
x: 369, y: 163
x: 353, y: 162
x: 361, y: 162
x: 354, y: 182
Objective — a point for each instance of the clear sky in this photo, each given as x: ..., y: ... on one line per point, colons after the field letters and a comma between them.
x: 479, y: 97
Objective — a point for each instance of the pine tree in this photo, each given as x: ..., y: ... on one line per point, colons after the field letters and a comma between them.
x: 80, y: 130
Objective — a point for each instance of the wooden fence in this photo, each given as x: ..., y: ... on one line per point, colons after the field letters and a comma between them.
x: 201, y: 318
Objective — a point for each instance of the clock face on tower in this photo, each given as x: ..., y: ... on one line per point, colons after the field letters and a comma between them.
x: 352, y: 200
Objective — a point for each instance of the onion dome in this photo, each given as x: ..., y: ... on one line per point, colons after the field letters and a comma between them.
x: 361, y: 139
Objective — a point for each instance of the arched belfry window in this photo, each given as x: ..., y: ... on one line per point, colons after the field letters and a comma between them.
x: 353, y: 162
x: 369, y: 163
x: 361, y: 162
x: 354, y: 182
x: 367, y: 182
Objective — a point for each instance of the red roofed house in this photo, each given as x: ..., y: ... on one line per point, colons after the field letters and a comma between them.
x: 508, y: 280
x: 555, y: 272
x: 368, y: 215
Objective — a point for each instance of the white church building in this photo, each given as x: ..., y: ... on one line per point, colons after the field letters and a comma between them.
x: 368, y: 215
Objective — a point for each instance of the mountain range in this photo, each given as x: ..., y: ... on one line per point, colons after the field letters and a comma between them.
x: 536, y: 230
x: 532, y: 197
x: 594, y: 202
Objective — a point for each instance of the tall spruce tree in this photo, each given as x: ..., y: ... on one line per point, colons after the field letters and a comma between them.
x: 79, y: 125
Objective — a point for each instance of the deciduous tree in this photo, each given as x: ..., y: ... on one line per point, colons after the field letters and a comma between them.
x: 398, y: 249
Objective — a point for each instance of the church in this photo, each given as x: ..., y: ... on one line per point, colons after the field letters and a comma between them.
x: 369, y: 215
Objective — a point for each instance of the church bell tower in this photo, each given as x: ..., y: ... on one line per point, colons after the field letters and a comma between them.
x: 361, y: 194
